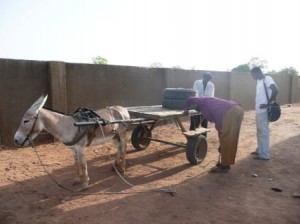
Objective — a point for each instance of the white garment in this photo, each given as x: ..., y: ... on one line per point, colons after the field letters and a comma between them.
x: 261, y: 97
x: 209, y: 90
x: 263, y: 135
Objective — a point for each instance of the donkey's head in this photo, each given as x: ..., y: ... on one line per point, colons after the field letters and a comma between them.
x: 30, y: 126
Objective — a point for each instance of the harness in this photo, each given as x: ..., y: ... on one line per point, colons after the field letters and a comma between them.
x: 85, y: 114
x: 28, y: 136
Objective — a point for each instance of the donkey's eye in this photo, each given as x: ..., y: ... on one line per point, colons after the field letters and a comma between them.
x: 26, y: 121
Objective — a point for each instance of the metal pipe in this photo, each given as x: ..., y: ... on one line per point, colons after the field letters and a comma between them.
x: 166, y: 142
x: 92, y: 123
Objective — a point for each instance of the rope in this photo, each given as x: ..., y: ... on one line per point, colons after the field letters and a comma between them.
x: 169, y: 190
x: 165, y: 190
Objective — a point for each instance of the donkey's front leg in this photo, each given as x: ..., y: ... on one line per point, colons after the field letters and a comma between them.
x: 81, y: 165
x: 78, y: 178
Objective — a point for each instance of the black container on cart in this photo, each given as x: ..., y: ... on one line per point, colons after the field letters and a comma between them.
x: 175, y: 98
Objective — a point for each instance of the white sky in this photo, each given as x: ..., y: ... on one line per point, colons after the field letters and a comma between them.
x: 201, y: 34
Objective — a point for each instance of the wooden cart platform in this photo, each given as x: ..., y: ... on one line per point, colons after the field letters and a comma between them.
x: 141, y: 137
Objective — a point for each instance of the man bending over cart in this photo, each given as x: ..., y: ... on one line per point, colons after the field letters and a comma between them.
x: 227, y: 116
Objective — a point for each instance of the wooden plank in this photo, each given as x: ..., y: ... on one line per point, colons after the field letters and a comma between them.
x: 156, y: 112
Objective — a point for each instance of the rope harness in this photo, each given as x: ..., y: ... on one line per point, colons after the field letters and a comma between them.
x: 84, y: 113
x: 28, y: 136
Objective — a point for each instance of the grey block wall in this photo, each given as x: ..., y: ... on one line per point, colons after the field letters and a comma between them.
x: 71, y: 85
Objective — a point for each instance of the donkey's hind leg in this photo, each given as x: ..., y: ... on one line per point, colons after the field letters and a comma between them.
x: 120, y: 160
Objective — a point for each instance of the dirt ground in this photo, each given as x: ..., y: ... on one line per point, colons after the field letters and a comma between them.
x: 244, y: 195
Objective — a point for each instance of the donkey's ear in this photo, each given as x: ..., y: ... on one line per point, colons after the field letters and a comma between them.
x: 38, y: 104
x: 43, y: 102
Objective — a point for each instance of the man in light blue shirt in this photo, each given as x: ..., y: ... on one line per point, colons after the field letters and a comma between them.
x: 205, y: 88
x: 261, y: 103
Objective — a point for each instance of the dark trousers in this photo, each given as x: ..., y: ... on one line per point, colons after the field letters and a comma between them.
x: 196, y: 120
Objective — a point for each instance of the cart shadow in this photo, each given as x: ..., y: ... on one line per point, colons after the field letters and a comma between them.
x: 155, y: 172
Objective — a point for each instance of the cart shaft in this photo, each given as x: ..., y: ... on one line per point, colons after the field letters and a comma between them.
x: 97, y: 122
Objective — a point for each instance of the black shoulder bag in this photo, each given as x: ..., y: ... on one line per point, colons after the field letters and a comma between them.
x: 273, y: 109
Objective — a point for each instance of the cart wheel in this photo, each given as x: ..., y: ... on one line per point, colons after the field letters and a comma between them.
x: 140, y: 137
x: 196, y: 149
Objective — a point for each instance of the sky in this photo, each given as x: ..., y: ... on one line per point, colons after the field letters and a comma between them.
x: 215, y: 35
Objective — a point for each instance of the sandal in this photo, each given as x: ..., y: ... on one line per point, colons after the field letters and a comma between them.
x: 220, y: 169
x: 222, y: 166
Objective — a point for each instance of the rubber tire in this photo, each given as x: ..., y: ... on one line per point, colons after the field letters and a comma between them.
x: 178, y: 93
x: 196, y: 149
x: 139, y: 137
x: 175, y: 98
x: 176, y: 104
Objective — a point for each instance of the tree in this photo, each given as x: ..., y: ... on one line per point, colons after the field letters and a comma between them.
x: 256, y: 62
x: 253, y: 62
x: 156, y: 65
x: 176, y: 67
x: 241, y: 68
x: 288, y: 71
x: 100, y: 60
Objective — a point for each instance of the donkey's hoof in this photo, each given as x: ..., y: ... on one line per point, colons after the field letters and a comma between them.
x: 76, y: 182
x: 85, y: 186
x: 116, y: 168
x: 84, y: 189
x: 121, y: 170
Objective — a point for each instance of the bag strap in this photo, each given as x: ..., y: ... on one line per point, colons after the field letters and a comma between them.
x: 266, y: 90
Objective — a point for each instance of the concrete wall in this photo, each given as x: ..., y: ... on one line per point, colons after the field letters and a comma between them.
x: 295, y: 89
x: 70, y: 86
x: 106, y: 85
x: 284, y: 84
x: 242, y: 89
x: 21, y: 82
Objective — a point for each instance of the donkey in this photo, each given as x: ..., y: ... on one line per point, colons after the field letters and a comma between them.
x: 62, y: 128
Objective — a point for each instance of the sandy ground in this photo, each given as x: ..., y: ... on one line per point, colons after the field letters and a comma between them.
x: 244, y: 195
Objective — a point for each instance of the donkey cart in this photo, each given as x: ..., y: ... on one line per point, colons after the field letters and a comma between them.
x: 147, y: 118
x: 196, y: 146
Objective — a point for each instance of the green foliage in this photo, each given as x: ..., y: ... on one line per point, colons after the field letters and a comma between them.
x: 176, y: 67
x: 253, y: 62
x: 100, y: 60
x: 156, y: 65
x: 288, y: 71
x: 241, y: 68
x: 256, y: 62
